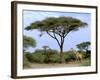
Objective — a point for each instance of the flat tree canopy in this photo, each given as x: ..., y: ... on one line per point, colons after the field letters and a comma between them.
x: 84, y: 45
x: 58, y: 25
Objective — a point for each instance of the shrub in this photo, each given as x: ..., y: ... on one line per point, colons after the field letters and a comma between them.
x: 26, y: 63
x: 69, y: 56
x: 55, y: 58
x: 85, y: 54
x: 29, y: 57
x: 41, y: 57
x: 38, y: 57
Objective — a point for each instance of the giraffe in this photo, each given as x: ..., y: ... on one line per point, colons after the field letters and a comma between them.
x: 78, y: 55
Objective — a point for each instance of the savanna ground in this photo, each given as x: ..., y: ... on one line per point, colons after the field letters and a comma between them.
x: 40, y: 60
x: 56, y: 65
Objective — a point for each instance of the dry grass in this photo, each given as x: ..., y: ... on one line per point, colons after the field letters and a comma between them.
x: 58, y: 65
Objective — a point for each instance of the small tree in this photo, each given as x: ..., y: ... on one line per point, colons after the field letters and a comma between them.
x: 28, y: 42
x: 45, y: 48
x: 84, y: 46
x: 45, y: 51
x: 58, y: 27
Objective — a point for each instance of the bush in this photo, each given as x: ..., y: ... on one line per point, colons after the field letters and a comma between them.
x: 86, y: 55
x: 51, y: 56
x: 55, y: 58
x: 69, y: 56
x: 26, y: 63
x: 29, y: 57
x: 38, y: 57
x: 41, y: 57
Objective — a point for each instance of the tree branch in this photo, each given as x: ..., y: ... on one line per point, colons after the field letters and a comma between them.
x: 50, y: 34
x: 55, y: 30
x: 56, y: 39
x: 62, y: 40
x: 66, y: 34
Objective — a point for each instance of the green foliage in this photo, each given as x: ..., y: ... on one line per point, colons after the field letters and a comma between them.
x: 28, y: 42
x: 29, y: 57
x: 26, y: 63
x: 87, y: 55
x: 35, y: 57
x: 38, y: 57
x: 67, y: 24
x: 83, y: 45
x: 54, y: 58
x: 69, y: 56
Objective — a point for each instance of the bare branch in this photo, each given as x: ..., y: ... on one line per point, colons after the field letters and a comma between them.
x: 50, y: 34
x: 56, y: 39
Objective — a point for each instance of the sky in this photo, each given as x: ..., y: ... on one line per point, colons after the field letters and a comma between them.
x: 71, y: 40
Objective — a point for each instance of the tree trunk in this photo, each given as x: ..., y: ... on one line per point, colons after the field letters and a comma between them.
x: 46, y: 58
x: 61, y: 54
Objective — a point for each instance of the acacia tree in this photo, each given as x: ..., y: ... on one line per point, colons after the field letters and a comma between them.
x: 58, y: 28
x: 45, y: 51
x: 84, y: 46
x: 28, y: 42
x: 45, y: 48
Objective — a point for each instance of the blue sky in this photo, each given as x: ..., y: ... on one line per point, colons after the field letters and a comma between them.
x: 71, y: 40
